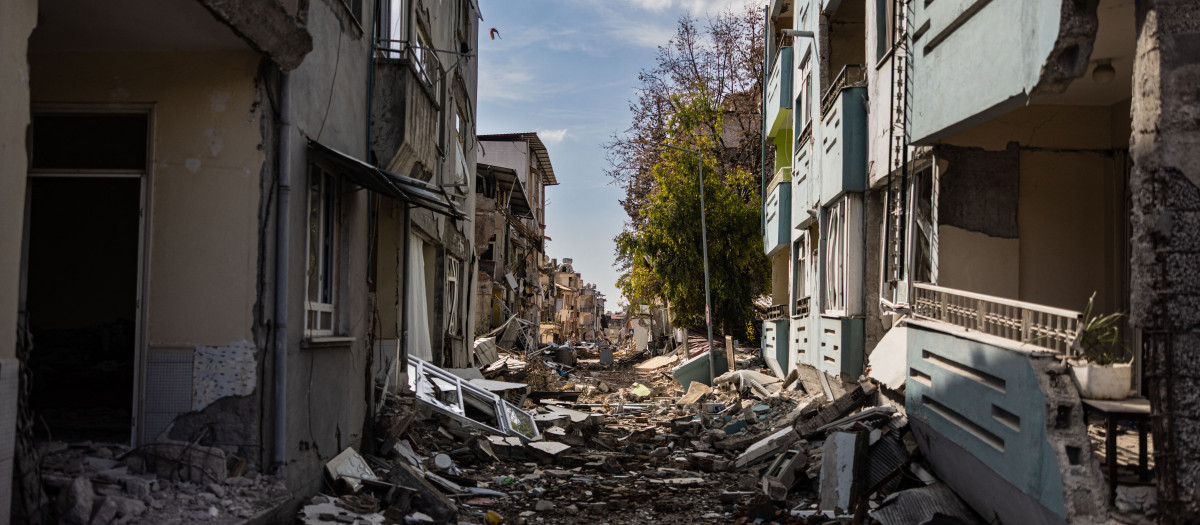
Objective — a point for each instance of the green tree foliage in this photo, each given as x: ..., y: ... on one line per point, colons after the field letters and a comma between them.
x: 662, y: 255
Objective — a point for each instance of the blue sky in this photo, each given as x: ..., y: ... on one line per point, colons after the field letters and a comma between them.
x: 568, y: 69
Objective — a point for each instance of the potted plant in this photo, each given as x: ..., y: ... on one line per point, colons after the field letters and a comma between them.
x: 1102, y: 368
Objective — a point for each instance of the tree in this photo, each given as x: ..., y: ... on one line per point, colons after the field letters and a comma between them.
x: 721, y: 62
x: 662, y: 256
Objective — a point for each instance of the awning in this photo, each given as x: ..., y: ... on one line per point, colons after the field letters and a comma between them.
x: 410, y: 190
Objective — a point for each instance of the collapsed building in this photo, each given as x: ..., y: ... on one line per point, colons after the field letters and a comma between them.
x: 949, y: 187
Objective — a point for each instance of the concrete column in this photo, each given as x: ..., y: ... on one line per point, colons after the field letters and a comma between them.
x: 1165, y: 266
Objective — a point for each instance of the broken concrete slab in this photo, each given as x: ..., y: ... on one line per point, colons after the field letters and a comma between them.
x: 888, y: 363
x: 696, y: 392
x: 655, y: 363
x: 842, y: 462
x: 781, y: 475
x: 766, y: 447
x: 839, y: 408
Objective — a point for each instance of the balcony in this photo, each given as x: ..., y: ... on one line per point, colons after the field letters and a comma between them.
x: 989, y: 407
x: 777, y: 211
x: 1033, y: 325
x: 779, y: 92
x: 843, y: 138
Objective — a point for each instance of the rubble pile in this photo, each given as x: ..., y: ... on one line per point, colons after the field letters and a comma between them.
x: 631, y: 445
x: 166, y: 482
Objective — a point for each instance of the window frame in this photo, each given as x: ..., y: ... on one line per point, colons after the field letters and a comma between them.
x: 836, y: 232
x: 453, y: 295
x: 327, y: 229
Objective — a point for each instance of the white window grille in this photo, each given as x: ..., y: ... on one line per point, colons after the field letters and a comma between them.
x: 835, y: 258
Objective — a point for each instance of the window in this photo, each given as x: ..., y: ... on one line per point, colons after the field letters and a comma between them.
x: 885, y: 27
x: 910, y: 235
x: 452, y: 294
x: 835, y: 258
x: 801, y: 281
x: 391, y: 26
x: 460, y: 148
x: 424, y: 58
x: 322, y: 266
x: 803, y: 106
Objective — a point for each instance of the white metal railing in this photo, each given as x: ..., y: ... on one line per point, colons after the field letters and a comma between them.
x: 776, y: 313
x: 1037, y: 325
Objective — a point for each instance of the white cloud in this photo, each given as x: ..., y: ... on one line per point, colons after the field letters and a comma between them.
x: 652, y: 5
x: 552, y: 136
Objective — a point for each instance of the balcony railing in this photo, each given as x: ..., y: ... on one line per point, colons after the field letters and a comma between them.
x: 802, y: 306
x: 1032, y: 324
x: 850, y: 76
x: 776, y: 313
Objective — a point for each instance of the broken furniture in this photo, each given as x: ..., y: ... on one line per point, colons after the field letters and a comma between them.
x: 1135, y: 408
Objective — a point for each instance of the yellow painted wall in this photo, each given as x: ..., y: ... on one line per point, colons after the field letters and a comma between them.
x: 204, y: 178
x: 977, y: 262
x: 1071, y: 212
x: 1071, y: 225
x: 780, y: 277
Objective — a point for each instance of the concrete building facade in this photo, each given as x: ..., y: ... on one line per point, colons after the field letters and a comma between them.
x: 952, y: 182
x: 217, y: 209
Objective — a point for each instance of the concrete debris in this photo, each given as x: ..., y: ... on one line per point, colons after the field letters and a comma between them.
x: 843, y: 463
x: 349, y: 470
x: 161, y: 482
x: 620, y: 441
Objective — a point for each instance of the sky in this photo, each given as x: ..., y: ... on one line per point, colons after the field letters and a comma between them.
x: 567, y: 69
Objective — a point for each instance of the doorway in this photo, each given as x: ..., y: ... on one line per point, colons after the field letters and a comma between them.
x: 81, y: 273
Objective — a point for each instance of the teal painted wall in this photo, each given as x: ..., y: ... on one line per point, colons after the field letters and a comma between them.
x: 988, y: 400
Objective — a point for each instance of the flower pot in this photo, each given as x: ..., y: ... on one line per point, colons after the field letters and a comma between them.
x: 1102, y: 381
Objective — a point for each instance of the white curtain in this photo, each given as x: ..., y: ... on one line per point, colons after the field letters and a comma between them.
x: 417, y: 316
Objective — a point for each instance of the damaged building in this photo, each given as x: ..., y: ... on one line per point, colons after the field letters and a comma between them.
x: 512, y: 174
x: 952, y: 195
x: 230, y: 212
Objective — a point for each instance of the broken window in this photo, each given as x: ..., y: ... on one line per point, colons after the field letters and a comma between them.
x: 468, y: 403
x: 452, y: 294
x: 322, y: 264
x: 910, y: 235
x: 837, y: 246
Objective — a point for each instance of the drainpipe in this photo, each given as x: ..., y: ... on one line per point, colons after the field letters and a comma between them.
x: 283, y: 205
x: 403, y: 364
x: 762, y: 167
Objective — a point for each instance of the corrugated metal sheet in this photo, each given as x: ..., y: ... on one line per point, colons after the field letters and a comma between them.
x: 934, y: 504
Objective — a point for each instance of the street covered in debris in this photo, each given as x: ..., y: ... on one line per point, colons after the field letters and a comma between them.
x: 865, y: 262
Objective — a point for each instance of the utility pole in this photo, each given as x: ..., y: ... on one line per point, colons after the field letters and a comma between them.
x: 712, y: 366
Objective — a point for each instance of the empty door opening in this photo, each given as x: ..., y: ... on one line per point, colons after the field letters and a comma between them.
x: 81, y: 273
